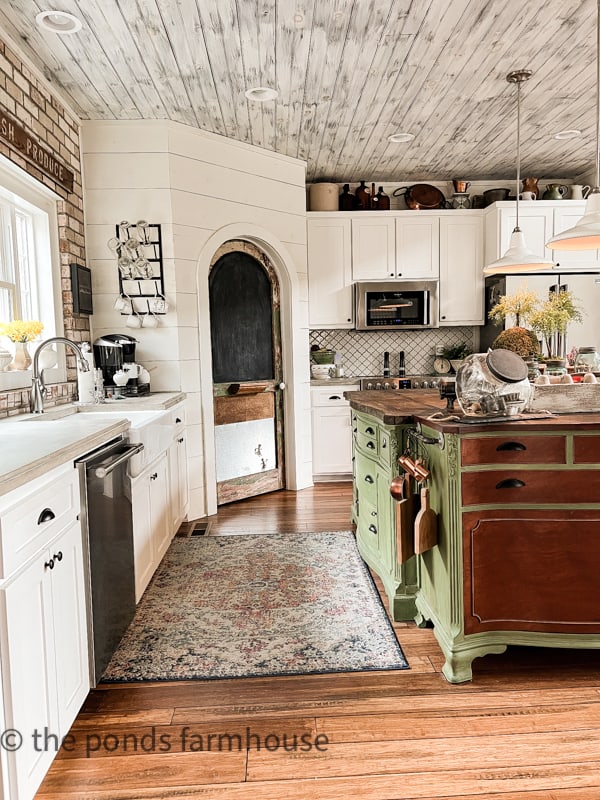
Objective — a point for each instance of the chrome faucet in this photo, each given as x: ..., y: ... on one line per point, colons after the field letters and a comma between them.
x: 38, y: 389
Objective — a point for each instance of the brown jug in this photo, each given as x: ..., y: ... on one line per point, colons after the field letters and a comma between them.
x: 531, y: 185
x: 363, y: 197
x: 347, y: 201
x: 381, y: 201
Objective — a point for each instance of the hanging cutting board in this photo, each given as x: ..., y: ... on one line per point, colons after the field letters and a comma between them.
x: 401, y: 490
x: 426, y: 528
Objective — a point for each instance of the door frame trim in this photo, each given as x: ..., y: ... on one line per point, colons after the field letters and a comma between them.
x: 294, y: 352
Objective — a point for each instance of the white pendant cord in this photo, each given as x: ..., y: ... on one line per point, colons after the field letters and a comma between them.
x: 519, y: 152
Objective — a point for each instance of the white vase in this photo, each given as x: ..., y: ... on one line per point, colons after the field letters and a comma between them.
x: 21, y: 359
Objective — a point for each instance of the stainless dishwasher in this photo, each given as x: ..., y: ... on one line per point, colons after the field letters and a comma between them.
x: 108, y: 547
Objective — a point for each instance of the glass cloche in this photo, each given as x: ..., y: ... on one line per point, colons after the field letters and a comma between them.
x: 493, y: 384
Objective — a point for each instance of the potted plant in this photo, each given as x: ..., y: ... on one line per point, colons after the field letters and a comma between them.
x: 519, y: 306
x: 456, y: 353
x: 551, y: 320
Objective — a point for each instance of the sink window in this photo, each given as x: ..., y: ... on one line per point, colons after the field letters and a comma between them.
x: 29, y: 263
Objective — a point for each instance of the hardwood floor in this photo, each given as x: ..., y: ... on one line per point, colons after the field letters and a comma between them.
x: 526, y: 728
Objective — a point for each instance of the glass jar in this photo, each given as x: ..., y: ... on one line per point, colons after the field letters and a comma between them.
x: 493, y: 384
x: 588, y: 358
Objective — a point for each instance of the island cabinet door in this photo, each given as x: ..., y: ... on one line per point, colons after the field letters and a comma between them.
x: 531, y: 570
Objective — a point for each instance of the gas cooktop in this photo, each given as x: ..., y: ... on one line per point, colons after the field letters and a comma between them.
x: 412, y: 382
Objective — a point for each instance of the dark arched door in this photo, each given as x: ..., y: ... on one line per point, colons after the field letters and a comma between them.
x: 246, y: 357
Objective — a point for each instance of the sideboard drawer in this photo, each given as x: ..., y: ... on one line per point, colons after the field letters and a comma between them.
x: 586, y: 449
x: 513, y: 449
x: 366, y: 480
x: 366, y: 436
x: 539, y: 487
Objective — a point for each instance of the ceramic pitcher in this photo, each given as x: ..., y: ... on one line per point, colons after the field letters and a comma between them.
x: 554, y: 191
x: 531, y: 185
x: 579, y: 192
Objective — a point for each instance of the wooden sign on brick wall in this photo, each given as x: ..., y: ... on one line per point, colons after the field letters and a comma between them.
x: 16, y: 136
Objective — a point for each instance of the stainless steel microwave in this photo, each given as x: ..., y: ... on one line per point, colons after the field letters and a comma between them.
x: 396, y: 306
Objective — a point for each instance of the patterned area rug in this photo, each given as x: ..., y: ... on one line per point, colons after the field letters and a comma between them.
x: 257, y: 605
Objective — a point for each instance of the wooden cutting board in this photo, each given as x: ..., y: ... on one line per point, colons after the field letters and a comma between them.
x: 404, y: 523
x: 426, y: 529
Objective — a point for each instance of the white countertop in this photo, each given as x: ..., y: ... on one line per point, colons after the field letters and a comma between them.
x: 31, y: 445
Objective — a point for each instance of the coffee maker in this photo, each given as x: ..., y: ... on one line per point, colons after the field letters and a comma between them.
x: 114, y: 352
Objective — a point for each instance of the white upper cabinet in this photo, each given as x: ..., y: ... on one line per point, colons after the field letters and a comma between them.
x: 329, y: 272
x: 373, y: 247
x: 417, y: 247
x: 539, y: 221
x: 461, y: 269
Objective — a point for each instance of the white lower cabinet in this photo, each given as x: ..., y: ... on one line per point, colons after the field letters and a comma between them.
x: 178, y: 484
x: 152, y: 530
x: 331, y: 432
x: 44, y: 649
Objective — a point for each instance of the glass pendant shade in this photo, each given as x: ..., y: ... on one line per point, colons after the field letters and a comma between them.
x: 518, y: 258
x: 586, y: 234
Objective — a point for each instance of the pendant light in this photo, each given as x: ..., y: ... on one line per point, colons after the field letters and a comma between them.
x: 586, y: 234
x: 518, y: 258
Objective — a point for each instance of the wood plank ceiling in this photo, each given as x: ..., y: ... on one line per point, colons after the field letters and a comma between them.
x: 349, y: 73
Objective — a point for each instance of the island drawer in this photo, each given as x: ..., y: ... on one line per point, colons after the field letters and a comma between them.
x: 513, y: 449
x: 366, y: 436
x: 539, y: 487
x: 366, y: 481
x: 586, y: 449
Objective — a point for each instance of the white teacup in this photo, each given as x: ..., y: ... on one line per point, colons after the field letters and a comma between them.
x: 320, y: 370
x: 133, y: 321
x: 150, y: 321
x: 527, y: 196
x: 122, y: 304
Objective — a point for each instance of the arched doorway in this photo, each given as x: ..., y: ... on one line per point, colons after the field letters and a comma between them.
x: 247, y: 372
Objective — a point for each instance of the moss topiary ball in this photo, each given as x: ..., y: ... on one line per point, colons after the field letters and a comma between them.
x: 520, y: 340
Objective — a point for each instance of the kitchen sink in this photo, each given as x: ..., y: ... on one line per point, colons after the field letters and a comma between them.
x: 151, y: 428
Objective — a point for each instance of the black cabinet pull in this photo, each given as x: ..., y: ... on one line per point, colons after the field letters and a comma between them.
x: 371, y: 445
x: 510, y: 446
x: 373, y: 513
x: 58, y: 556
x: 370, y: 431
x: 383, y: 444
x: 49, y: 564
x: 334, y: 397
x: 368, y: 479
x: 46, y: 515
x: 510, y: 483
x: 177, y: 419
x: 372, y: 528
x: 180, y: 440
x: 154, y: 476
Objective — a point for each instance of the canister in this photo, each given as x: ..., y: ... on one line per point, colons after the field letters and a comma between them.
x: 323, y: 196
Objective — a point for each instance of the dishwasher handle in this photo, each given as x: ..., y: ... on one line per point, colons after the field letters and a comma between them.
x: 128, y: 452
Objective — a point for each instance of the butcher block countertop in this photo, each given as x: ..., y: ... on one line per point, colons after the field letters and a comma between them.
x: 405, y: 407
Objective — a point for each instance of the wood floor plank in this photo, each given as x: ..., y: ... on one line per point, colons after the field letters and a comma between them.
x: 150, y: 716
x: 107, y: 740
x: 463, y: 722
x: 576, y: 781
x: 520, y: 751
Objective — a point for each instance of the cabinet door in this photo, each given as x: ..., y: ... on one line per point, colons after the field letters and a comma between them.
x: 537, y: 224
x: 373, y: 248
x: 332, y: 440
x: 566, y: 217
x: 160, y: 517
x: 178, y: 487
x: 418, y: 247
x: 70, y: 628
x: 329, y: 273
x: 461, y: 269
x: 28, y: 672
x: 142, y: 533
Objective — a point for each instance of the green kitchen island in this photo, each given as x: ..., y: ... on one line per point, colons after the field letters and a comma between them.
x: 517, y: 560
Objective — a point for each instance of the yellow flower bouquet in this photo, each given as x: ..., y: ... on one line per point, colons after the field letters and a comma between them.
x: 21, y: 330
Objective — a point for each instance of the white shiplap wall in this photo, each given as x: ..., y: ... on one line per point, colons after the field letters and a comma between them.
x: 203, y: 189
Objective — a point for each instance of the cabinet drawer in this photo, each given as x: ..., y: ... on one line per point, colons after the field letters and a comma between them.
x: 368, y: 523
x: 366, y: 436
x: 176, y: 417
x: 511, y: 449
x: 34, y: 514
x: 330, y: 396
x: 366, y: 481
x: 586, y: 449
x: 530, y: 486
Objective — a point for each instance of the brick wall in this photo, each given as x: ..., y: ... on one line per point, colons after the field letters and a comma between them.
x: 23, y: 97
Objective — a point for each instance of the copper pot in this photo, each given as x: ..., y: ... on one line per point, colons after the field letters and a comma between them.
x: 421, y: 195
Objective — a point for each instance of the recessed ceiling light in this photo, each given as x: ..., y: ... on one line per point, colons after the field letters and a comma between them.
x: 570, y: 134
x: 58, y: 22
x: 401, y: 137
x: 261, y: 94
